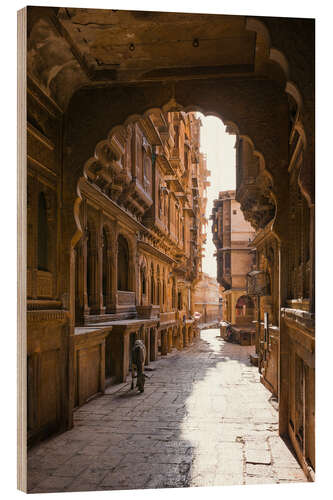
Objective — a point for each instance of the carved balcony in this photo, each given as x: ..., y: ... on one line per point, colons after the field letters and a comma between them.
x: 167, y: 318
x: 148, y: 311
x: 125, y: 303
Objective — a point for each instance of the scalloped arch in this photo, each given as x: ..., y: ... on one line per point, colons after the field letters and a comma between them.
x: 105, y: 149
x: 278, y: 57
x: 100, y: 149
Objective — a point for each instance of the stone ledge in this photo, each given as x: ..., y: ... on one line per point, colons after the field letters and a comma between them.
x: 48, y: 315
x: 302, y: 318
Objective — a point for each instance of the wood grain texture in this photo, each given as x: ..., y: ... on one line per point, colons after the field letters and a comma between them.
x: 21, y: 250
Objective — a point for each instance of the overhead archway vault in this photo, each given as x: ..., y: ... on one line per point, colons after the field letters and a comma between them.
x: 88, y: 86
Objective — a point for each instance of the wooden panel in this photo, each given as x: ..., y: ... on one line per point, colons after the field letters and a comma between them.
x: 32, y: 388
x: 109, y: 368
x: 168, y: 317
x: 47, y: 376
x: 44, y: 284
x: 292, y: 415
x: 310, y: 417
x: 29, y: 283
x: 49, y: 388
x: 88, y: 372
x: 271, y: 373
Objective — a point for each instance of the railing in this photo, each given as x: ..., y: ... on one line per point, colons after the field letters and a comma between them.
x: 167, y: 317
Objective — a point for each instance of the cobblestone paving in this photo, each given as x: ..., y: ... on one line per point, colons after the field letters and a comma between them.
x: 204, y: 419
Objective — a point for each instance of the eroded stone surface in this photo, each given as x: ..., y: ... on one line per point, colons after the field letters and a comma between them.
x: 203, y: 420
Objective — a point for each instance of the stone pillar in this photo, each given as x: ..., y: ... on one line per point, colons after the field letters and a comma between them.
x: 284, y: 350
x: 79, y: 283
x: 93, y: 268
x: 102, y: 368
x: 99, y: 270
x: 185, y: 336
x: 164, y: 342
x: 86, y: 308
x: 114, y: 268
x: 147, y: 344
x: 109, y: 290
x: 190, y: 335
x: 180, y: 337
x: 233, y: 309
x: 120, y: 350
x: 153, y: 344
x: 170, y: 343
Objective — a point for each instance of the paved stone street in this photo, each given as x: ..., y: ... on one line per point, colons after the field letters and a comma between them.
x: 204, y: 419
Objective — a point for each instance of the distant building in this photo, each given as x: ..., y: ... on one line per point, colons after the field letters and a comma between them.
x: 232, y: 236
x: 208, y: 300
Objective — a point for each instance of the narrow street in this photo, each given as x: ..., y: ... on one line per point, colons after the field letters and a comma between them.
x: 203, y: 420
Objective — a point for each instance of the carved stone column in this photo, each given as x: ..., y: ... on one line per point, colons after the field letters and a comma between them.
x: 185, y: 336
x: 284, y: 350
x: 114, y: 268
x: 147, y: 344
x: 93, y: 270
x: 79, y: 283
x: 109, y: 273
x: 170, y: 344
x: 181, y: 336
x: 99, y: 270
x: 164, y: 342
x: 86, y: 308
x: 153, y: 350
x: 190, y: 335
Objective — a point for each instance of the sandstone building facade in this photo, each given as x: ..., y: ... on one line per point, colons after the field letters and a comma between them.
x: 100, y: 180
x: 286, y: 349
x: 208, y: 300
x: 141, y: 214
x: 232, y: 236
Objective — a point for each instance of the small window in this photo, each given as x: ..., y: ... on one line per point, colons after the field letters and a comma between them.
x: 234, y: 212
x: 180, y: 305
x: 143, y: 282
x: 123, y: 264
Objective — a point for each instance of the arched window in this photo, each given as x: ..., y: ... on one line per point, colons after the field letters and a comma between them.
x: 43, y: 236
x: 152, y: 285
x: 123, y: 264
x: 164, y: 293
x: 244, y: 308
x: 147, y: 175
x: 180, y: 302
x: 158, y: 289
x: 173, y: 294
x: 143, y: 282
x: 158, y: 293
x: 143, y: 278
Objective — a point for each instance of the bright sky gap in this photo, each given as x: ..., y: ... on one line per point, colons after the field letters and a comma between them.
x: 219, y: 147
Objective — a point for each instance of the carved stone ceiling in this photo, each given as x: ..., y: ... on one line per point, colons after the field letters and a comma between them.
x: 131, y: 45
